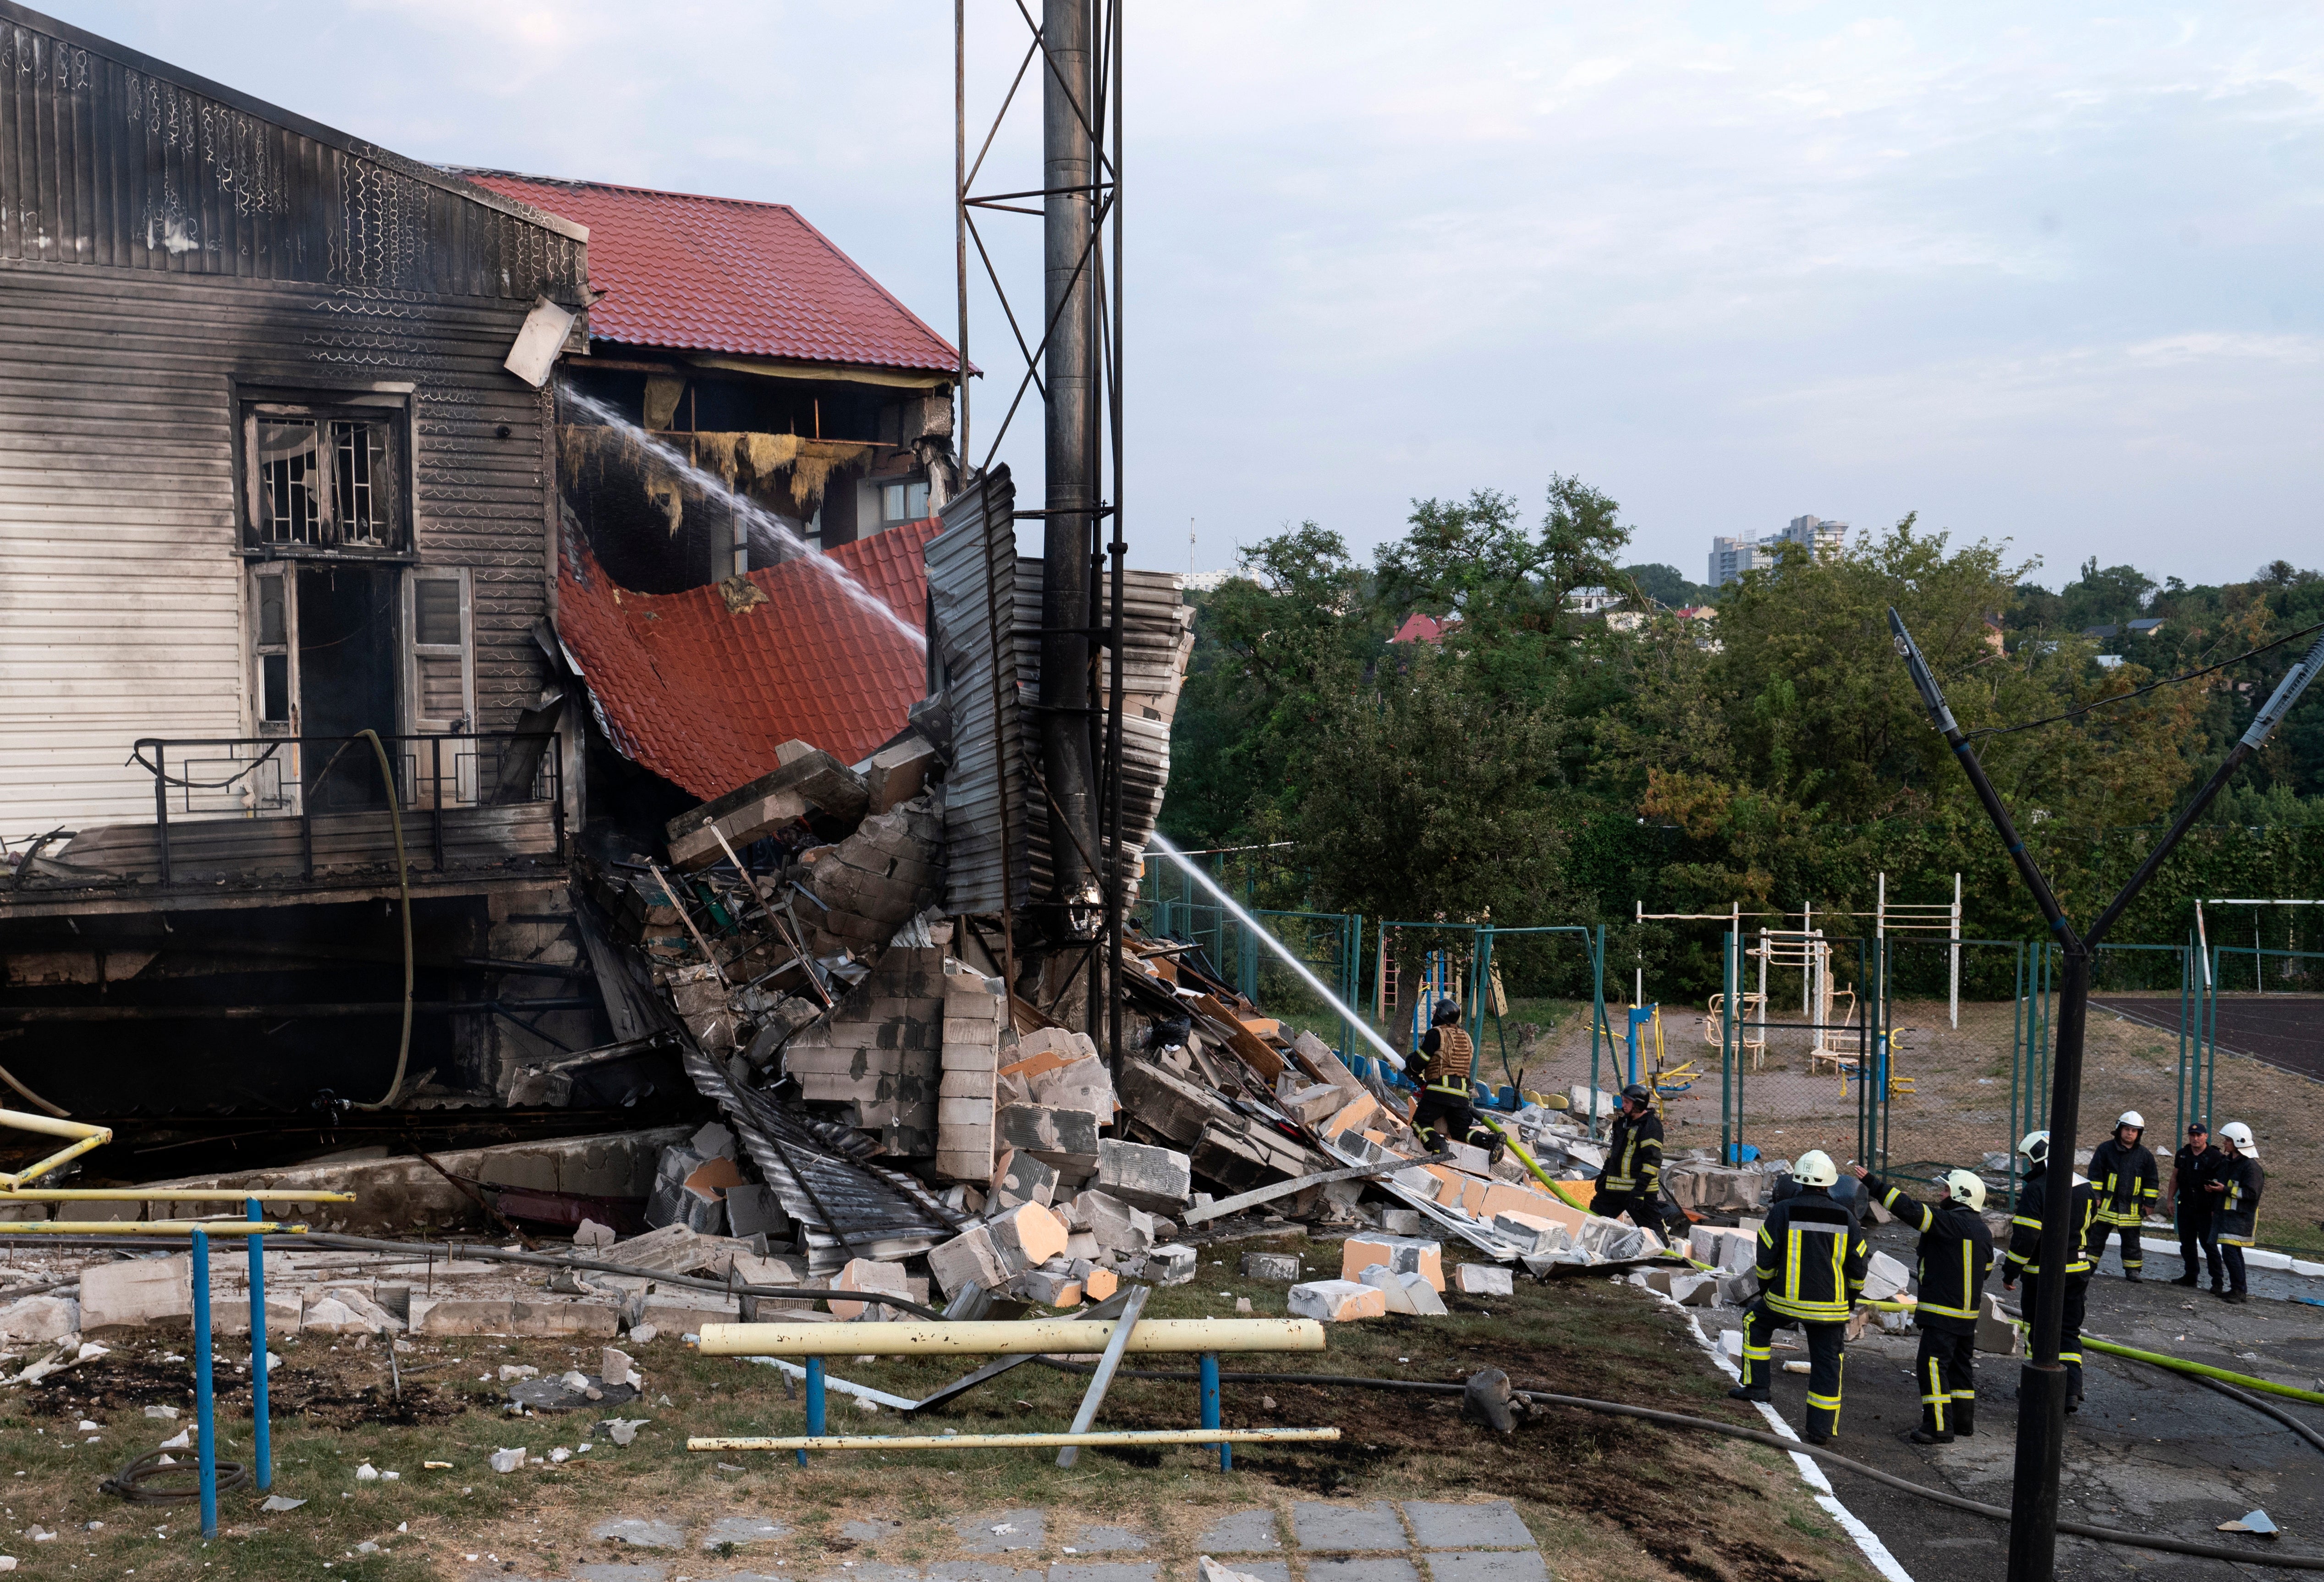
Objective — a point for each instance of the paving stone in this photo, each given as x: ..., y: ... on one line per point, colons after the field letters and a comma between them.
x: 870, y: 1531
x: 1264, y: 1570
x: 650, y: 1571
x: 1102, y: 1573
x: 977, y: 1537
x: 1472, y: 1564
x: 638, y: 1533
x: 739, y: 1529
x: 1441, y: 1524
x: 1328, y: 1525
x: 1384, y: 1569
x: 1101, y: 1541
x: 1240, y: 1533
x: 971, y: 1571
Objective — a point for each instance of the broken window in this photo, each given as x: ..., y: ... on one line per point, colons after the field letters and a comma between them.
x: 271, y: 649
x: 324, y: 477
x: 441, y: 681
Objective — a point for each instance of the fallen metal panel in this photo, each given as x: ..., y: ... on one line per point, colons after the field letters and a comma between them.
x: 973, y: 568
x: 844, y: 1209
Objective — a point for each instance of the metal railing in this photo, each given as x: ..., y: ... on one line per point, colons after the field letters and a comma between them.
x: 216, y: 778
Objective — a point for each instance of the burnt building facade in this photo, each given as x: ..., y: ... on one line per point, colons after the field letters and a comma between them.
x: 271, y: 483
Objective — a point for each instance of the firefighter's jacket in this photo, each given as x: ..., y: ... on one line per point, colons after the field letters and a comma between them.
x: 2025, y: 1224
x: 1956, y: 1254
x: 1812, y: 1259
x: 2128, y: 1185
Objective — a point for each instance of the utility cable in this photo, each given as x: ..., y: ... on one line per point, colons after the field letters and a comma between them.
x: 140, y: 1482
x: 403, y: 878
x: 2142, y: 691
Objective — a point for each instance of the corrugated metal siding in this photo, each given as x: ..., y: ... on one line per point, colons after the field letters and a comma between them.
x: 972, y: 547
x: 1159, y: 626
x: 121, y: 580
x: 108, y: 164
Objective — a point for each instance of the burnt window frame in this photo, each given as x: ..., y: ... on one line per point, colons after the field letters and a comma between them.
x: 391, y: 410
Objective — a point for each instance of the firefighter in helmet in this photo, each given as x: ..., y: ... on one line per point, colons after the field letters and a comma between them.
x: 1811, y: 1270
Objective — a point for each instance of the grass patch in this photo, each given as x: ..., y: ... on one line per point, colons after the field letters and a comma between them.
x: 1610, y: 1498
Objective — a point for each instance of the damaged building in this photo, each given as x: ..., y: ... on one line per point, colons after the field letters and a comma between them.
x: 542, y: 733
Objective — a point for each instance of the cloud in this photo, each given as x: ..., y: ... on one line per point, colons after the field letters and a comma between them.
x: 2046, y: 273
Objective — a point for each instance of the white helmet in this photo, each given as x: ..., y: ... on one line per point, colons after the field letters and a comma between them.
x: 2130, y: 1118
x: 1965, y: 1186
x: 2035, y: 1147
x: 1814, y: 1168
x: 2235, y: 1132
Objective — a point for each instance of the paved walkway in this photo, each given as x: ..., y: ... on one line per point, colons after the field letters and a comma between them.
x: 1305, y: 1540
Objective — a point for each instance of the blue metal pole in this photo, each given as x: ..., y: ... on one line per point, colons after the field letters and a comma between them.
x: 1211, y: 1407
x: 813, y: 1400
x: 205, y: 1409
x: 262, y: 1439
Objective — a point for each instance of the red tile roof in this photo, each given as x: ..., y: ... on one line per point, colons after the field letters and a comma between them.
x: 1419, y: 629
x: 718, y: 274
x: 702, y: 695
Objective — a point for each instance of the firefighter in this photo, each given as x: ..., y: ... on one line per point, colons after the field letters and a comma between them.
x: 2235, y: 1188
x: 1955, y: 1253
x: 1631, y: 1181
x: 1811, y: 1270
x: 2193, y: 1207
x: 1443, y: 1114
x: 2024, y: 1262
x: 2122, y: 1171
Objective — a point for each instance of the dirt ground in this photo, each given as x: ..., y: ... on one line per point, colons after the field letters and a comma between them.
x: 1608, y: 1499
x: 1957, y: 1110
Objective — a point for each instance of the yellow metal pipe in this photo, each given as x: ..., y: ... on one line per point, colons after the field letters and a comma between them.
x: 61, y: 1156
x: 1018, y: 1337
x: 24, y: 1120
x: 147, y: 1228
x: 173, y: 1195
x: 1173, y: 1435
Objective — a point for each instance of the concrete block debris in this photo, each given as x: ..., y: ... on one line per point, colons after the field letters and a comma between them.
x: 1403, y: 1254
x: 1484, y: 1280
x: 1158, y: 1179
x: 1335, y: 1301
x: 1171, y: 1264
x: 509, y: 1459
x: 1283, y: 1266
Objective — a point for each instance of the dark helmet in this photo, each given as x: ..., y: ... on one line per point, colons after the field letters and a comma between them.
x: 1637, y: 1092
x: 1448, y: 1013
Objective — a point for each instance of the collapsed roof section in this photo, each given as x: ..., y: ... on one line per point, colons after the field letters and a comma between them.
x: 701, y: 686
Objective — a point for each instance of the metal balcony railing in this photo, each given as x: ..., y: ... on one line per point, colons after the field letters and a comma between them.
x: 442, y: 785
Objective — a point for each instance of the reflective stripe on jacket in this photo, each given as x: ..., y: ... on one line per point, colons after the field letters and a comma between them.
x: 2126, y: 1179
x: 1634, y: 1155
x: 2025, y: 1224
x: 1956, y: 1251
x: 1812, y: 1259
x: 2237, y: 1217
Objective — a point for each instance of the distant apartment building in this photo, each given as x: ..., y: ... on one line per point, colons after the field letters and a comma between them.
x: 1731, y: 558
x: 1209, y: 581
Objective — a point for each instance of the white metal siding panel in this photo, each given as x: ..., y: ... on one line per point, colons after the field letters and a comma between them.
x: 121, y: 581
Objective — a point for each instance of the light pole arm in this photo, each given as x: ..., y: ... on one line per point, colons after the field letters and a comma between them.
x: 1925, y: 680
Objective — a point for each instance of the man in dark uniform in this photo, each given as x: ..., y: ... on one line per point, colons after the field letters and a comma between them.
x: 2043, y: 1194
x: 1443, y: 1114
x: 1631, y: 1181
x: 2122, y: 1171
x: 2235, y: 1188
x: 1811, y: 1270
x: 2190, y: 1199
x: 1955, y: 1253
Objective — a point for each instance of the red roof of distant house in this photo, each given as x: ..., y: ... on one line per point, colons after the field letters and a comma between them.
x: 1419, y: 629
x: 719, y: 274
x: 702, y: 695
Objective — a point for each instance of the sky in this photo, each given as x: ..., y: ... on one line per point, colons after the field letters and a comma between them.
x: 2044, y: 274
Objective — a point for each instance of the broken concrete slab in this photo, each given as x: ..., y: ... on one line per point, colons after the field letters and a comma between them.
x: 1404, y: 1255
x: 969, y: 1258
x: 29, y: 1320
x: 1026, y: 1237
x: 1171, y: 1263
x: 1021, y: 1177
x: 1144, y: 1177
x: 1283, y: 1266
x: 868, y: 1276
x: 1484, y: 1280
x: 1335, y: 1301
x: 805, y: 778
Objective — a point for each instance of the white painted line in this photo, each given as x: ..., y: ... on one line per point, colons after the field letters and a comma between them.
x: 1867, y: 1541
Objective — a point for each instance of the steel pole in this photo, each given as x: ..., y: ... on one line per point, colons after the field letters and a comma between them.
x: 1069, y: 462
x: 262, y: 1438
